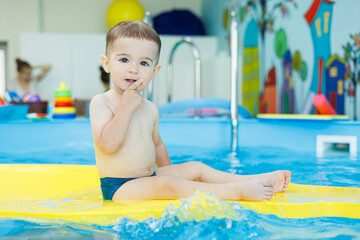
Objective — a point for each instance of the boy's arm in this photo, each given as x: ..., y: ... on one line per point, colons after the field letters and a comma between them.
x: 109, y: 130
x: 162, y: 157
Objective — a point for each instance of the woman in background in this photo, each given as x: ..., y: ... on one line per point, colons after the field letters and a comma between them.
x: 24, y: 81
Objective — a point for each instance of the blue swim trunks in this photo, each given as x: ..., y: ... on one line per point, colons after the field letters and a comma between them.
x: 110, y: 185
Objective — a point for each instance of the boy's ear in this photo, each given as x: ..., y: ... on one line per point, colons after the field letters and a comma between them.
x: 156, y: 71
x: 105, y: 63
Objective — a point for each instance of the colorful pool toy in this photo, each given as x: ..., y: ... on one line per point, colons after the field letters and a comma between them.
x: 64, y: 107
x: 322, y: 105
x: 30, y: 97
x: 12, y: 97
x: 72, y: 193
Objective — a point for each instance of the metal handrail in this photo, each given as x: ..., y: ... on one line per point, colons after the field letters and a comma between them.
x: 234, y: 80
x: 196, y: 54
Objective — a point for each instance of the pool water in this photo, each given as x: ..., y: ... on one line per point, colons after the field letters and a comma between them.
x: 247, y: 224
x: 331, y: 170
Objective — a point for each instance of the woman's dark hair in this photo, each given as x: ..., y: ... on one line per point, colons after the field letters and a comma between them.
x: 21, y: 64
x: 104, y: 76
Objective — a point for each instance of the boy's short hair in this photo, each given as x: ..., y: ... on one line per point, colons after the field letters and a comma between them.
x: 132, y: 29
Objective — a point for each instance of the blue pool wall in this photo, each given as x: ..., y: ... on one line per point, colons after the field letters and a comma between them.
x: 299, y: 135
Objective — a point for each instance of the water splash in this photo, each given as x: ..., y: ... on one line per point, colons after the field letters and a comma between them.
x: 202, y: 206
x: 200, y: 216
x: 198, y: 207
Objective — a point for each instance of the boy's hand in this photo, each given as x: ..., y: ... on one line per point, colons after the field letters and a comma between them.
x: 132, y: 98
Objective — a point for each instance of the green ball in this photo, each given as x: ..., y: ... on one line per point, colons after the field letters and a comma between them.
x: 280, y: 43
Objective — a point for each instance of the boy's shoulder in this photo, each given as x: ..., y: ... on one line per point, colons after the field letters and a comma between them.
x: 150, y: 105
x: 98, y: 99
x: 99, y: 103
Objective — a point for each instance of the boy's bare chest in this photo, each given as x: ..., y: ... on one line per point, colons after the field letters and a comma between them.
x: 142, y: 121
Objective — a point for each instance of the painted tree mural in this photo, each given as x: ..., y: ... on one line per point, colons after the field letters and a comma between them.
x: 352, y: 58
x: 290, y: 62
x: 264, y: 17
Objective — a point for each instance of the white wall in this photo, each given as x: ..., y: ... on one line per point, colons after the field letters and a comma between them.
x: 16, y: 16
x: 75, y: 59
x: 159, y: 6
x: 79, y: 16
x: 64, y: 16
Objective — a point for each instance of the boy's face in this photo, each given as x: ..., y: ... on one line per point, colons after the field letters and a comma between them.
x: 129, y: 60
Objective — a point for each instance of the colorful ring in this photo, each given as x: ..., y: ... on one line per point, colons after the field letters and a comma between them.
x: 63, y: 99
x: 62, y: 93
x: 64, y: 104
x: 71, y: 115
x: 64, y: 110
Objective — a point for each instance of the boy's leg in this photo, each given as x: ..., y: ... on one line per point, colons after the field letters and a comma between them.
x: 197, y: 171
x: 172, y: 187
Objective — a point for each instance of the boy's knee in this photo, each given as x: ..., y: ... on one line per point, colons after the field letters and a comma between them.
x: 195, y: 170
x: 167, y: 183
x: 195, y: 165
x: 173, y: 187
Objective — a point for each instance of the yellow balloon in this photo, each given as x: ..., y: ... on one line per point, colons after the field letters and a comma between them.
x: 123, y: 10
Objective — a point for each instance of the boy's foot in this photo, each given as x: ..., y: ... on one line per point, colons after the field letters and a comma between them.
x: 255, y: 191
x: 281, y: 178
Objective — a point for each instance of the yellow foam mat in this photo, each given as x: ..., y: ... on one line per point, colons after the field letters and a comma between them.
x: 72, y: 192
x: 302, y: 116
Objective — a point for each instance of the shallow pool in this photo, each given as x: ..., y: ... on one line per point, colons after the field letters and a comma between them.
x: 335, y: 169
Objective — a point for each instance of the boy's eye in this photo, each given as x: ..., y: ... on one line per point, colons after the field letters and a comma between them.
x: 124, y: 60
x: 143, y: 63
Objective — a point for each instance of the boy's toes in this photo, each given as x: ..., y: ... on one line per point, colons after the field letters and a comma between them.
x: 287, y: 174
x: 268, y: 183
x: 268, y: 196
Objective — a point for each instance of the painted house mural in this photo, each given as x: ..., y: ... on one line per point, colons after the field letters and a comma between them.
x: 318, y: 18
x: 335, y: 75
x: 268, y: 103
x: 287, y: 102
x: 315, y: 67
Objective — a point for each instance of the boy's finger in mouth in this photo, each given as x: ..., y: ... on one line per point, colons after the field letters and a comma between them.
x: 130, y: 80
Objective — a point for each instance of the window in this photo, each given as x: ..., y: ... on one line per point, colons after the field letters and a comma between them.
x: 333, y: 72
x: 340, y: 87
x: 326, y: 21
x: 318, y: 26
